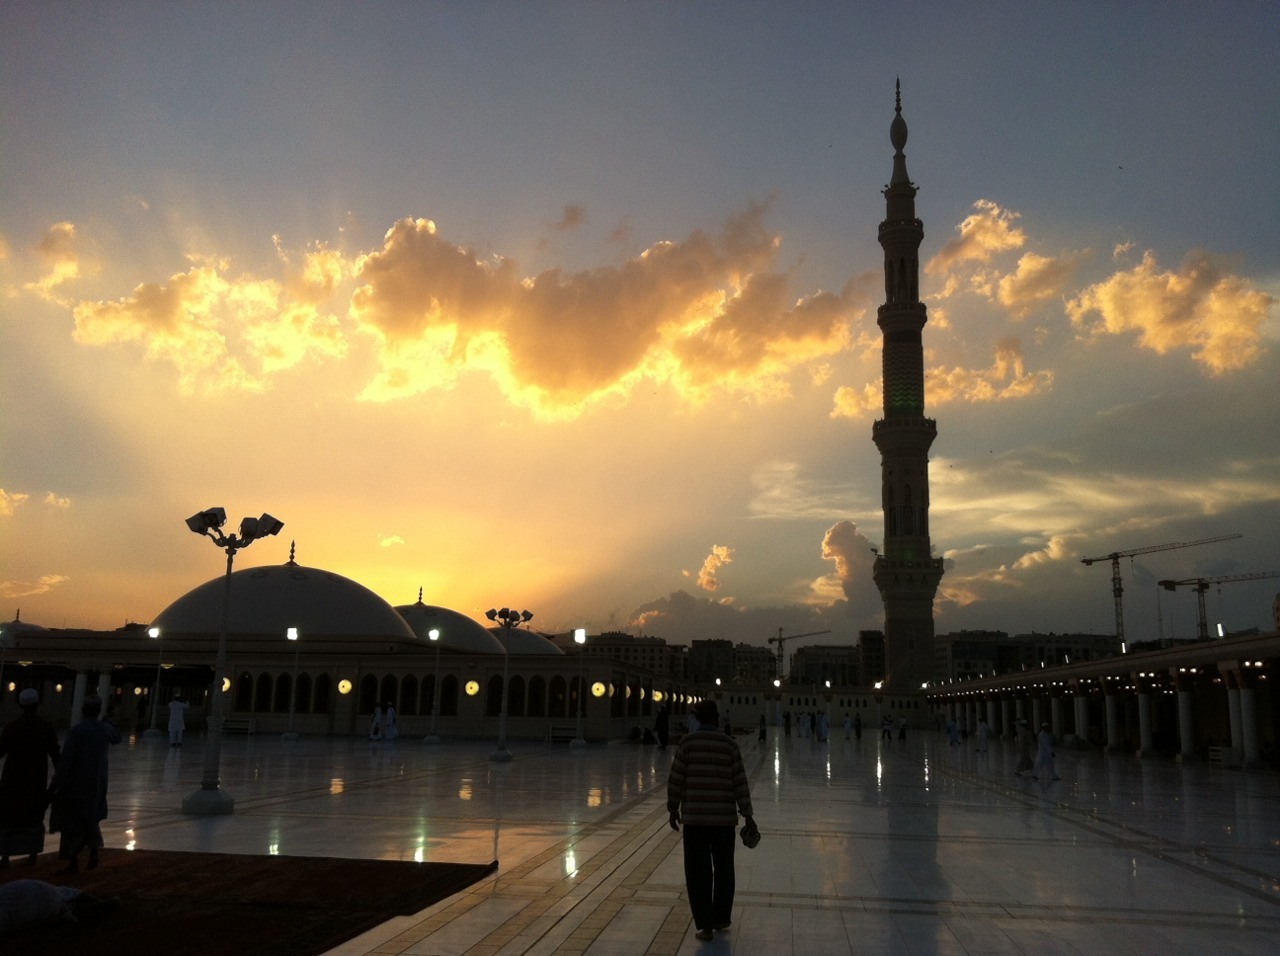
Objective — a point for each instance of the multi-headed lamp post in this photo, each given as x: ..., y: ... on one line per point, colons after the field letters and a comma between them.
x: 510, y: 619
x: 210, y: 798
x: 580, y: 638
x: 433, y: 737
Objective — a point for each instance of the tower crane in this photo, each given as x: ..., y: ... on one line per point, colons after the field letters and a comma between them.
x: 782, y: 641
x: 1202, y: 584
x: 1117, y: 589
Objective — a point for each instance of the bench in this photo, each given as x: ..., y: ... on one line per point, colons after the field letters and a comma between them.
x: 237, y: 725
x: 561, y: 735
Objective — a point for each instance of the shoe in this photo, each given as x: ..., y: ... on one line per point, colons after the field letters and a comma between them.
x: 703, y: 934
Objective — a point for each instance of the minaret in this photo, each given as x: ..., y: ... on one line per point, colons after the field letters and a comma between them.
x: 906, y: 573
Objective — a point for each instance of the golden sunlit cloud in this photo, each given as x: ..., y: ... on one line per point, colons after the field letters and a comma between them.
x: 702, y: 315
x: 214, y: 329
x: 56, y: 501
x: 45, y: 583
x: 850, y: 551
x: 62, y: 253
x: 1201, y: 307
x: 1038, y: 279
x: 9, y: 501
x: 708, y: 578
x: 389, y: 540
x: 1007, y: 378
x: 988, y: 230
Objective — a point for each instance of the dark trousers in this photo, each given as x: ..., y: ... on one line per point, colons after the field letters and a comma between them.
x: 708, y: 874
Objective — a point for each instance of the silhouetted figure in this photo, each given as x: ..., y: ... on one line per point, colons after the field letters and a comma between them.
x: 28, y: 745
x: 177, y: 720
x: 662, y: 727
x: 80, y: 787
x: 708, y: 784
x: 1024, y: 741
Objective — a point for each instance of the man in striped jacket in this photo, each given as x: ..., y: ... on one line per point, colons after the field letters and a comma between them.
x: 708, y: 784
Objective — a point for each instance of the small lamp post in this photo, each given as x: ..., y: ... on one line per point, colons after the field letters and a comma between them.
x: 291, y: 634
x: 580, y: 638
x: 210, y: 798
x: 510, y: 619
x: 154, y: 731
x: 433, y: 738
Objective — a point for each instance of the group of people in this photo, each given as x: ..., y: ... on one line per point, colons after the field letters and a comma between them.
x: 383, y: 726
x: 76, y: 796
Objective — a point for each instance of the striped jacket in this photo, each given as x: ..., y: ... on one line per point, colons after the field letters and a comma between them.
x: 708, y: 783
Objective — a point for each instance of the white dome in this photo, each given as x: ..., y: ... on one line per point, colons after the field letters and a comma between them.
x: 458, y: 632
x: 524, y: 641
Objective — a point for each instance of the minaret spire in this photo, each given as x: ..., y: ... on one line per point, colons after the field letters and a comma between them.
x: 906, y: 573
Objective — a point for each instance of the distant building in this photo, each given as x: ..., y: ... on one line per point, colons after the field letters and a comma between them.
x: 712, y: 659
x: 650, y: 653
x: 754, y: 665
x: 819, y: 663
x: 870, y: 657
x: 968, y: 655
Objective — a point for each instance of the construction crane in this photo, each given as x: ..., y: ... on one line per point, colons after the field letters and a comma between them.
x: 1117, y: 590
x: 782, y: 642
x: 1202, y: 584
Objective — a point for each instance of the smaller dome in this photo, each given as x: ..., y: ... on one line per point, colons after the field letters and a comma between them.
x: 458, y: 632
x: 524, y: 641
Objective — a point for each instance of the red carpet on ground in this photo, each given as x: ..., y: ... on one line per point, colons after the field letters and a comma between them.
x: 215, y: 904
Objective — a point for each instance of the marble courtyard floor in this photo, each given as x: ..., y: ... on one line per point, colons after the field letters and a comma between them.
x: 908, y: 847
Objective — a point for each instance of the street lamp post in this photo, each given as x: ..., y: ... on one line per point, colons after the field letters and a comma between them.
x: 153, y: 730
x: 291, y: 634
x: 210, y: 799
x: 433, y: 738
x: 510, y: 619
x: 580, y: 638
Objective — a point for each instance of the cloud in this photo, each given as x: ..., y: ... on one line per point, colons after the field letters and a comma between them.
x: 850, y: 551
x: 1201, y: 307
x: 9, y: 501
x: 990, y: 229
x: 851, y: 403
x: 1006, y: 378
x: 62, y: 252
x: 389, y: 540
x: 782, y: 492
x: 572, y: 217
x: 1038, y: 279
x: 19, y: 589
x: 56, y: 501
x: 707, y: 575
x: 704, y: 314
x: 221, y: 331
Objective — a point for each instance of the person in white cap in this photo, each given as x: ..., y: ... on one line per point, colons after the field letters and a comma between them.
x: 28, y: 745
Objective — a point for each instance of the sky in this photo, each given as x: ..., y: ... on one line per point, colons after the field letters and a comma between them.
x: 571, y: 306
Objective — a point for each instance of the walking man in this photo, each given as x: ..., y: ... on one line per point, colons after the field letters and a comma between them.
x: 708, y: 785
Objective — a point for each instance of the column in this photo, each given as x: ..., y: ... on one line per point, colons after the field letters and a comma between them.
x: 104, y: 692
x: 1186, y: 728
x: 1006, y: 724
x: 993, y: 722
x: 1019, y: 710
x: 1055, y: 711
x: 1233, y: 711
x: 77, y: 696
x: 1037, y: 714
x: 1249, y: 726
x: 1145, y: 746
x: 1113, y: 723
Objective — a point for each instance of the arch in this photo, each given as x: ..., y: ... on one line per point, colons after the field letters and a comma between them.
x: 303, y: 691
x: 515, y: 696
x: 262, y: 694
x: 449, y: 696
x: 428, y: 691
x: 409, y: 695
x: 493, y: 696
x: 557, y: 694
x: 368, y: 694
x: 323, y: 695
x: 387, y: 692
x: 575, y: 696
x: 244, y: 692
x: 284, y: 689
x: 537, y: 705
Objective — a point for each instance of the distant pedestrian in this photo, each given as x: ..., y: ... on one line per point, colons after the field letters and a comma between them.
x: 886, y: 728
x: 857, y: 726
x: 390, y: 731
x: 375, y: 725
x: 708, y: 785
x: 823, y: 729
x: 953, y: 732
x: 848, y: 725
x: 662, y: 727
x: 177, y: 720
x: 982, y: 735
x: 762, y: 728
x: 1045, y: 757
x: 28, y: 745
x: 902, y: 726
x: 786, y: 723
x: 80, y: 787
x: 1023, y: 740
